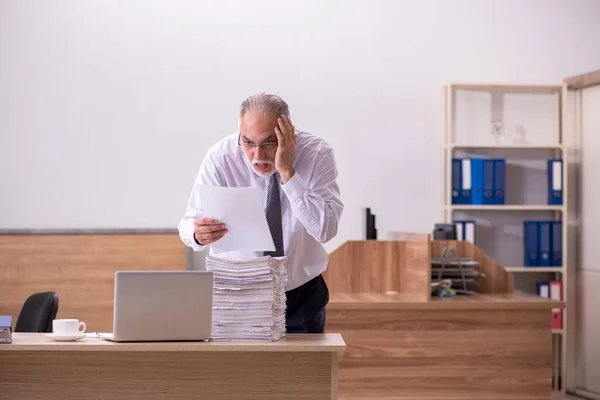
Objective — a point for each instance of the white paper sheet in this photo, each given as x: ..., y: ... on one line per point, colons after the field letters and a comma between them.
x: 241, y: 210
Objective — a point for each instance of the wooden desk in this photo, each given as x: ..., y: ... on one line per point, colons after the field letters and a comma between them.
x: 490, y: 346
x: 295, y: 367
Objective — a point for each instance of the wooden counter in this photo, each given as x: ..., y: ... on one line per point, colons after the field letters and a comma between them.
x: 294, y: 367
x: 404, y: 344
x: 496, y: 301
x: 484, y: 347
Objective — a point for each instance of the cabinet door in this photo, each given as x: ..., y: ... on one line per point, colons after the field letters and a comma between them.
x: 588, y: 285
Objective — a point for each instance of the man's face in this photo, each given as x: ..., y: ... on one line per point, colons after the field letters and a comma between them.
x: 259, y: 142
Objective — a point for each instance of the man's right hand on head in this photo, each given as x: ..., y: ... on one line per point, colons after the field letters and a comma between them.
x: 208, y: 230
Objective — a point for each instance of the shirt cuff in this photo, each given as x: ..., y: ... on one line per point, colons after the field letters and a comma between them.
x: 194, y: 245
x: 295, y: 188
x: 190, y: 241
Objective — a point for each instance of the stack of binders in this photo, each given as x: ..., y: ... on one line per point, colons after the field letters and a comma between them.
x: 249, y: 300
x: 542, y: 243
x: 465, y: 230
x: 478, y: 181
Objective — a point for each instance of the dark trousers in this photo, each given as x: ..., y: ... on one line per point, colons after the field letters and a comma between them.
x: 305, y: 311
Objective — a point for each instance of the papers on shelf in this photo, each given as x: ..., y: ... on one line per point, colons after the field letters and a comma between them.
x: 249, y: 299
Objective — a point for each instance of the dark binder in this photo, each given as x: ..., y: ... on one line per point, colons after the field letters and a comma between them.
x: 459, y: 227
x: 482, y: 172
x: 488, y: 181
x: 555, y: 181
x: 466, y: 182
x: 457, y: 181
x: 545, y: 243
x: 556, y: 258
x: 530, y: 243
x: 499, y: 181
x: 477, y: 181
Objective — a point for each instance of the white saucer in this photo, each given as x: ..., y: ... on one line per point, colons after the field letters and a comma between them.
x: 66, y: 338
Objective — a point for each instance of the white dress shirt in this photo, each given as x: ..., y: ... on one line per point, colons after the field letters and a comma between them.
x: 311, y: 205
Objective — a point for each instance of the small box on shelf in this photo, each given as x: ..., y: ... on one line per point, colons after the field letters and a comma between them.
x: 5, y: 329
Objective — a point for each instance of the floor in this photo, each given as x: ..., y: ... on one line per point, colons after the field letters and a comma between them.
x: 566, y: 397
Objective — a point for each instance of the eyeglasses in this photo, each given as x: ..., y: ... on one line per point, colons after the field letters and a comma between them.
x: 249, y: 145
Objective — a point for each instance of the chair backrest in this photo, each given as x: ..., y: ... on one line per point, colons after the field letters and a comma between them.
x: 38, y: 312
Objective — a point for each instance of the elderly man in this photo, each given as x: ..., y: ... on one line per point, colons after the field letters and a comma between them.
x: 297, y: 173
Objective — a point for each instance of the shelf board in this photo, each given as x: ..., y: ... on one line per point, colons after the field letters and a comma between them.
x: 514, y: 88
x: 557, y: 331
x: 534, y: 269
x: 507, y: 146
x: 506, y: 207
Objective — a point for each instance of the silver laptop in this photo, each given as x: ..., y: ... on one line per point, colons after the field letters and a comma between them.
x: 162, y: 306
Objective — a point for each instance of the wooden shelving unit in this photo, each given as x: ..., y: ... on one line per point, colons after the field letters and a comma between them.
x: 463, y: 137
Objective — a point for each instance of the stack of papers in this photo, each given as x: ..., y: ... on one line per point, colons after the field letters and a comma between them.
x: 249, y: 300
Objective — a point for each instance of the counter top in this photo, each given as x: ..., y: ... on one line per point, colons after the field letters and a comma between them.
x: 499, y: 301
x: 328, y: 342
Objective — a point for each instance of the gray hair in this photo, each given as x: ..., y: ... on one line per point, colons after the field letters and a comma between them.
x: 265, y: 104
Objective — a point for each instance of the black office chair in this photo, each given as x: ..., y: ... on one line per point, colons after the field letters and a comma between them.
x: 38, y: 312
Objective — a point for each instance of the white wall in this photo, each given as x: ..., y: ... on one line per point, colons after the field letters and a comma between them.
x: 107, y: 107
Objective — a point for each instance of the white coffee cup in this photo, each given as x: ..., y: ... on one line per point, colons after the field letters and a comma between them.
x: 68, y: 327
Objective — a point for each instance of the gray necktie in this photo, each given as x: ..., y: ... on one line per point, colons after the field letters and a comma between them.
x: 273, y: 213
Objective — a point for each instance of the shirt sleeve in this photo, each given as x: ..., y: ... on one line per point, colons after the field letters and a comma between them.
x: 208, y: 175
x: 316, y: 202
